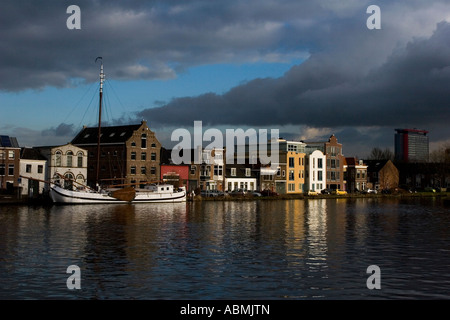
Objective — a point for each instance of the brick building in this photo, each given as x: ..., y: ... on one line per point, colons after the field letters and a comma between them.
x: 129, y: 154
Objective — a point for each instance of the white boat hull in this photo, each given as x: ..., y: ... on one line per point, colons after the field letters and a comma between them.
x: 61, y: 195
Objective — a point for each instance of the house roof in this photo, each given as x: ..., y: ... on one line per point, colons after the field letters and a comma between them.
x: 114, y: 134
x: 31, y: 154
x: 375, y: 165
x: 8, y: 142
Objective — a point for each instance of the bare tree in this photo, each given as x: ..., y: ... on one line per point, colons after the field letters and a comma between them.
x: 379, y: 154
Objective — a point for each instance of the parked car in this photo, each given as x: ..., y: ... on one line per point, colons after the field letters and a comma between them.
x: 268, y: 193
x: 312, y: 193
x: 238, y: 192
x: 372, y: 191
x: 256, y: 194
x: 212, y: 193
x: 326, y: 191
x: 429, y: 189
x: 339, y: 192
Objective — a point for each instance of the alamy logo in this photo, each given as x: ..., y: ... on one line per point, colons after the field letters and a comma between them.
x: 259, y: 147
x: 374, y: 281
x: 74, y: 21
x: 74, y: 281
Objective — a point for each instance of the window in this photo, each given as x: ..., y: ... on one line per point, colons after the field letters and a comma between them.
x: 40, y: 168
x: 319, y: 163
x: 279, y: 172
x: 28, y: 168
x: 233, y: 172
x: 2, y: 169
x: 144, y: 156
x: 80, y: 159
x: 153, y: 156
x: 291, y: 187
x: 192, y: 169
x: 133, y: 170
x: 143, y: 170
x: 69, y: 155
x: 10, y: 170
x: 68, y: 181
x: 58, y: 159
x: 11, y: 154
x: 333, y: 163
x: 133, y: 155
x: 248, y: 172
x: 133, y: 144
x: 153, y: 145
x: 144, y: 141
x: 291, y: 162
x: 284, y: 173
x: 319, y: 176
x: 291, y: 175
x: 153, y: 170
x: 218, y: 170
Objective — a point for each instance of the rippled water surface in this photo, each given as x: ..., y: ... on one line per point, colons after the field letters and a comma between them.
x: 287, y: 249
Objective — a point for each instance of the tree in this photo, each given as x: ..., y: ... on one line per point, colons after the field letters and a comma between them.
x: 439, y: 160
x: 379, y: 154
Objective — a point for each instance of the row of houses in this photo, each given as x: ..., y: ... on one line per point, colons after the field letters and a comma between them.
x: 132, y: 155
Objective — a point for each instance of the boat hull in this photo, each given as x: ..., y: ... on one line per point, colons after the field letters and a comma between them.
x: 60, y: 195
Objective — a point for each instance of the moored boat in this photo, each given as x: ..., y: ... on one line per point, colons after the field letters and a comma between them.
x: 152, y: 193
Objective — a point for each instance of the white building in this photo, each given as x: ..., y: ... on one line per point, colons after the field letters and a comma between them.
x: 315, y: 168
x: 33, y: 172
x: 67, y: 163
x: 240, y: 176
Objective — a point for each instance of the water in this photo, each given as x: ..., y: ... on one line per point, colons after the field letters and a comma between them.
x: 286, y: 249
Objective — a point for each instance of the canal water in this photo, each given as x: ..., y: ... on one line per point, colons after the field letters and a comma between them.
x: 263, y: 249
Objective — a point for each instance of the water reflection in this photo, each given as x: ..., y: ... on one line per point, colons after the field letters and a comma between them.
x: 296, y: 249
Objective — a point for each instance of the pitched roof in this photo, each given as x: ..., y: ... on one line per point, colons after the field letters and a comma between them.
x: 115, y: 134
x: 7, y: 141
x: 31, y: 154
x: 375, y: 165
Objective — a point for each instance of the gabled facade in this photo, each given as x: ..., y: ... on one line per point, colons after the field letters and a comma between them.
x: 129, y: 154
x: 334, y: 161
x: 382, y: 175
x: 66, y: 165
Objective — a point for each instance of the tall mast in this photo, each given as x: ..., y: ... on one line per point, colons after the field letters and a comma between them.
x: 102, y: 78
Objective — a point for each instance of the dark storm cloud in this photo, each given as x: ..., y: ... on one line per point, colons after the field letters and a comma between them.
x: 62, y: 130
x: 140, y: 39
x: 410, y: 87
x: 353, y: 77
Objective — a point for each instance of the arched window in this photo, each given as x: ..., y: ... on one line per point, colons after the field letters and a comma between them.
x: 58, y: 158
x: 80, y: 180
x: 68, y: 181
x: 69, y: 155
x: 80, y: 159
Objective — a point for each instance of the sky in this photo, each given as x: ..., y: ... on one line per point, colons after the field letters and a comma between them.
x: 307, y: 68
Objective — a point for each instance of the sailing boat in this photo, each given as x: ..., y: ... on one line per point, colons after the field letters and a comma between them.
x: 127, y: 194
